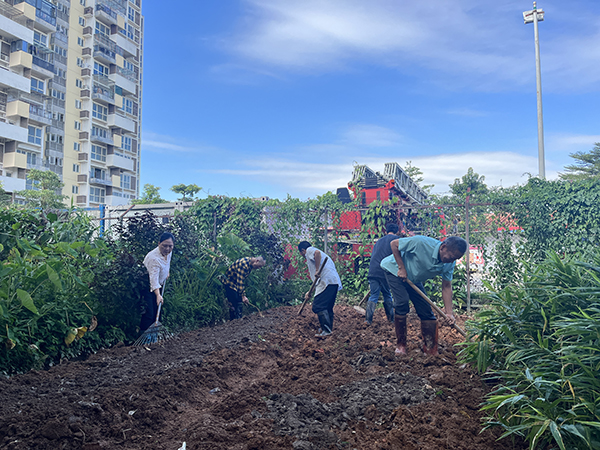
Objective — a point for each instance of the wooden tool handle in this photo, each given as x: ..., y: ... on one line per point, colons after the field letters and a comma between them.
x: 364, y: 299
x: 434, y: 306
x: 312, y: 287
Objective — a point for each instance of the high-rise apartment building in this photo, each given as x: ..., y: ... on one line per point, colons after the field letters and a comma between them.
x: 70, y: 96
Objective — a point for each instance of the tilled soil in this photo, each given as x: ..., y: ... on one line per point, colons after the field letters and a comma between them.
x: 261, y: 382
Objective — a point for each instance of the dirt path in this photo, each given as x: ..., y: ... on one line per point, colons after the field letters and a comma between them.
x: 255, y: 383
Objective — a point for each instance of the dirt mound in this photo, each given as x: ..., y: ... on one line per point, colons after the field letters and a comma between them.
x: 261, y: 382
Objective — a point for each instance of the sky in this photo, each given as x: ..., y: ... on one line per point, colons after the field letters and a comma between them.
x: 252, y: 98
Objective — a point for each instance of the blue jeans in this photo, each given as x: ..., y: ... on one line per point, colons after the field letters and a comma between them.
x: 378, y: 285
x: 403, y: 293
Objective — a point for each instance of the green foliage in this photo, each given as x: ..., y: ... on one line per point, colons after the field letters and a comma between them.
x: 150, y: 195
x: 46, y: 192
x: 557, y: 216
x: 416, y: 175
x: 541, y: 339
x: 587, y: 165
x: 187, y: 191
x: 470, y: 180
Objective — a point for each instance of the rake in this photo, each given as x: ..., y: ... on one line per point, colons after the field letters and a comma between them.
x: 155, y: 332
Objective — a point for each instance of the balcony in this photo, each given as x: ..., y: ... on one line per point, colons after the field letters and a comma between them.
x: 119, y: 161
x: 102, y: 139
x: 104, y: 54
x: 39, y: 114
x: 100, y: 181
x: 82, y: 178
x: 15, y: 160
x: 125, y: 79
x: 103, y: 94
x: 106, y: 14
x: 46, y: 19
x: 12, y: 184
x: 17, y: 109
x: 81, y: 200
x: 12, y: 80
x: 42, y: 67
x: 82, y: 157
x: 84, y: 135
x: 129, y: 48
x: 87, y: 31
x: 84, y: 114
x: 120, y: 121
x: 12, y: 132
x: 12, y: 23
x: 86, y: 73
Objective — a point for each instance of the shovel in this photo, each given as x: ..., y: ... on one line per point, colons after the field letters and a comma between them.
x: 358, y: 307
x: 434, y: 306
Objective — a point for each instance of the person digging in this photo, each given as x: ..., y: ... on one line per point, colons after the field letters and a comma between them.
x: 376, y: 276
x: 420, y: 258
x: 327, y: 287
x: 235, y: 283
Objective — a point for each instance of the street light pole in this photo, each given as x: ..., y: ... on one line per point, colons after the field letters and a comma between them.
x: 535, y: 16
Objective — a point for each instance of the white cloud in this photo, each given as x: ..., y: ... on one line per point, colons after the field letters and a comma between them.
x: 464, y: 42
x: 160, y: 143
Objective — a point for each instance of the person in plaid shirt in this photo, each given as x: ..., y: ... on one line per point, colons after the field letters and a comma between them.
x: 235, y: 283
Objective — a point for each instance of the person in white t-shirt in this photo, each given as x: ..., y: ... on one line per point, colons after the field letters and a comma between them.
x: 326, y: 288
x: 158, y: 263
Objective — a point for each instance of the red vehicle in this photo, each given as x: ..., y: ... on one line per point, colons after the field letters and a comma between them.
x: 368, y: 186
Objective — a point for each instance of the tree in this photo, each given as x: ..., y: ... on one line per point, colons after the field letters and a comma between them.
x: 44, y: 194
x: 587, y: 165
x: 470, y: 180
x: 5, y: 197
x: 187, y: 191
x: 416, y: 175
x: 150, y: 195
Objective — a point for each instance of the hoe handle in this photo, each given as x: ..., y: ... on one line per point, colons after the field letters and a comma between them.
x: 312, y: 287
x: 434, y: 306
x: 364, y: 299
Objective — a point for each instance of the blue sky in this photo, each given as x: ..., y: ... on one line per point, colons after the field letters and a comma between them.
x: 278, y: 97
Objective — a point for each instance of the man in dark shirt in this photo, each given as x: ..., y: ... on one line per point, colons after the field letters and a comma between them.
x: 235, y: 283
x: 376, y: 276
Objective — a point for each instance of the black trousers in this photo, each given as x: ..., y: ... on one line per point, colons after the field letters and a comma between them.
x: 150, y: 309
x: 234, y: 297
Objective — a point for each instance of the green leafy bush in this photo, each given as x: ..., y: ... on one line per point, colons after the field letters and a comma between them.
x: 540, y: 339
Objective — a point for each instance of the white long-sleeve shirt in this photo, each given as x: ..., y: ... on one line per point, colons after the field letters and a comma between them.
x: 329, y: 274
x: 158, y: 268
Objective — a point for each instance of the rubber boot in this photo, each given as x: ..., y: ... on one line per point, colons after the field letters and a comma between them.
x: 429, y: 330
x: 400, y: 325
x: 324, y: 321
x: 370, y: 311
x: 388, y: 306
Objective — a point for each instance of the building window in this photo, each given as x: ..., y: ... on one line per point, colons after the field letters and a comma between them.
x: 127, y: 105
x: 40, y: 39
x: 76, y: 168
x: 57, y: 94
x: 78, y: 104
x: 102, y: 29
x: 34, y: 135
x: 131, y: 14
x: 79, y: 62
x: 99, y: 69
x: 96, y: 195
x: 82, y: 2
x: 37, y: 85
x: 76, y: 146
x: 78, y: 83
x: 74, y: 189
x: 80, y: 41
x: 82, y: 21
x: 100, y: 132
x: 126, y: 143
x: 125, y: 181
x: 31, y: 159
x: 98, y: 153
x: 99, y: 111
x: 77, y: 125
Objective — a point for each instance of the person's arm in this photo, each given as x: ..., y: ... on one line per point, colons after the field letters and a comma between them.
x: 447, y: 297
x: 317, y: 263
x: 396, y: 252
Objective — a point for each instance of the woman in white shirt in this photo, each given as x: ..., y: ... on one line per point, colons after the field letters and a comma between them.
x: 158, y: 263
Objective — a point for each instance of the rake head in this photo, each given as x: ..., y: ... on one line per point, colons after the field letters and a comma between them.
x: 155, y: 333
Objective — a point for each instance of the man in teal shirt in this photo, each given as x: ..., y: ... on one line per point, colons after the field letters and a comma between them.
x: 420, y: 258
